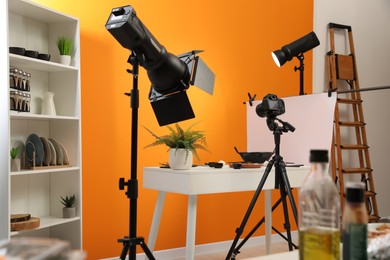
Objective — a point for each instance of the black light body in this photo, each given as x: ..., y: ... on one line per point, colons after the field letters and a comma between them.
x: 169, y: 75
x: 289, y: 51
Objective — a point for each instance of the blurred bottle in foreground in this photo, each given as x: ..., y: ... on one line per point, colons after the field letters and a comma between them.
x: 319, y: 208
x: 354, y: 226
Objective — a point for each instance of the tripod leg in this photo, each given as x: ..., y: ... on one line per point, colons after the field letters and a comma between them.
x: 148, y: 253
x: 288, y: 189
x: 240, y: 229
x: 262, y: 220
x: 125, y: 248
x: 286, y: 218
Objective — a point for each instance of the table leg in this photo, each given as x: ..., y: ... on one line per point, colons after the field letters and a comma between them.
x: 268, y: 221
x: 156, y: 220
x: 191, y: 227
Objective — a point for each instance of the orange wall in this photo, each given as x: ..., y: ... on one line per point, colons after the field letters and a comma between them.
x: 238, y: 38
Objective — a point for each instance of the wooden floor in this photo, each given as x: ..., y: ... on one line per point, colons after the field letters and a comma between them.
x: 246, y: 252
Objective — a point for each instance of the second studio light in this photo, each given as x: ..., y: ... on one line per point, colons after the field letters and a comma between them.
x: 295, y: 48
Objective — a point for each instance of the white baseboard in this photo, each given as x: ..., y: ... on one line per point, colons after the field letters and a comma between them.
x: 173, y: 253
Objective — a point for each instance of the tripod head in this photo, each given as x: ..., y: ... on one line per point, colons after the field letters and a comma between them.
x: 274, y: 126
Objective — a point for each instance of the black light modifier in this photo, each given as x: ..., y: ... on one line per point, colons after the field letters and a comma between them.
x: 170, y: 75
x: 300, y: 46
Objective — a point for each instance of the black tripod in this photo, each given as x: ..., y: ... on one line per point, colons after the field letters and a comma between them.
x: 281, y: 182
x: 130, y: 242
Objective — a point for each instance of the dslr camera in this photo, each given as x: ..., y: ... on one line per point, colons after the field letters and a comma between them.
x: 271, y: 107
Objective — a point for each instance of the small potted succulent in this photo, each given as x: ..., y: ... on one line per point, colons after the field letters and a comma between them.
x: 65, y: 47
x: 182, y: 143
x: 69, y: 210
x: 15, y: 162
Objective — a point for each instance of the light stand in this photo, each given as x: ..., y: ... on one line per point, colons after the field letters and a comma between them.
x: 301, y: 68
x: 281, y: 182
x: 130, y: 242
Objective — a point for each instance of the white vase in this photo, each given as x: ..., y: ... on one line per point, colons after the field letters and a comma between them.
x: 179, y: 159
x: 65, y: 59
x: 48, y: 107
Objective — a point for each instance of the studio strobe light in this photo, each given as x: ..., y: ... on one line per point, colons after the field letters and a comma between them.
x: 296, y: 49
x: 170, y: 76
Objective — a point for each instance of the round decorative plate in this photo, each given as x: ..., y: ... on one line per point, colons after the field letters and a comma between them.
x: 46, y: 148
x: 59, y: 153
x: 34, y: 144
x: 53, y: 156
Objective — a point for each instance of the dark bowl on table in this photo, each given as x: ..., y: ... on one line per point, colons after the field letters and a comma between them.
x: 44, y: 56
x: 17, y: 50
x: 254, y: 157
x: 31, y: 54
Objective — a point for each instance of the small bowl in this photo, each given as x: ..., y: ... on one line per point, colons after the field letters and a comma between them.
x: 17, y: 50
x: 44, y: 56
x: 31, y: 54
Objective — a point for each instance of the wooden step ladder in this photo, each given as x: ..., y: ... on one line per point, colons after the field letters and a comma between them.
x: 350, y: 153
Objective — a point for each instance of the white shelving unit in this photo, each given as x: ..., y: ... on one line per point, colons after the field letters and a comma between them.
x: 38, y: 192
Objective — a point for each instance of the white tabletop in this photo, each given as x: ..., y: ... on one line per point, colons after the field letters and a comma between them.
x: 207, y: 180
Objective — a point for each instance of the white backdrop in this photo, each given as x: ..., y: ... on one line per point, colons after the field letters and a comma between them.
x: 311, y: 115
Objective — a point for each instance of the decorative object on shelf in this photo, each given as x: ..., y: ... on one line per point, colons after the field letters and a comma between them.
x: 21, y: 222
x: 48, y: 107
x: 65, y: 46
x: 17, y: 50
x: 188, y: 140
x: 69, y: 211
x: 35, y: 153
x: 15, y: 162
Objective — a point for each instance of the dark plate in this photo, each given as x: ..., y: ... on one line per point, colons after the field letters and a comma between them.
x: 17, y: 50
x: 46, y: 148
x: 34, y: 143
x: 31, y: 54
x: 44, y: 56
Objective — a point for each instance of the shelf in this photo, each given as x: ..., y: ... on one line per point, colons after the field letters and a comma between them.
x: 24, y: 116
x: 37, y: 64
x: 46, y: 222
x: 51, y: 170
x: 37, y: 12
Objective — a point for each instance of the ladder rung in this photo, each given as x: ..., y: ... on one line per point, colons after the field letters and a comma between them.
x: 354, y: 147
x: 349, y: 101
x: 356, y: 170
x: 352, y: 123
x: 373, y: 218
x: 369, y: 194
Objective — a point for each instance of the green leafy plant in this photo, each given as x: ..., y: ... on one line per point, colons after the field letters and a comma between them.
x: 65, y: 45
x: 189, y: 139
x: 14, y: 152
x: 68, y: 202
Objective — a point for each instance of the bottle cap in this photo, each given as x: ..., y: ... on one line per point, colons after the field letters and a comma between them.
x: 355, y: 191
x: 319, y: 156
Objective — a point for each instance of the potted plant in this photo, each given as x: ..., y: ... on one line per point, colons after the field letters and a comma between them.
x: 15, y: 162
x: 69, y: 210
x: 182, y: 145
x: 65, y: 47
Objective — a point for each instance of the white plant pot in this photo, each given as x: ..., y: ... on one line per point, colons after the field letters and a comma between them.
x: 179, y: 159
x: 15, y: 165
x: 65, y: 59
x: 69, y: 212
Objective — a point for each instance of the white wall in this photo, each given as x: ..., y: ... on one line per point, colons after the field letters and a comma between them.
x: 370, y: 22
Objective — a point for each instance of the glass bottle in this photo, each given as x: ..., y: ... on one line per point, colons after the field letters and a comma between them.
x: 13, y: 77
x: 319, y: 208
x: 355, y: 219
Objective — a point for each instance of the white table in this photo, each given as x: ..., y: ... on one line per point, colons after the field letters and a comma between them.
x: 205, y: 180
